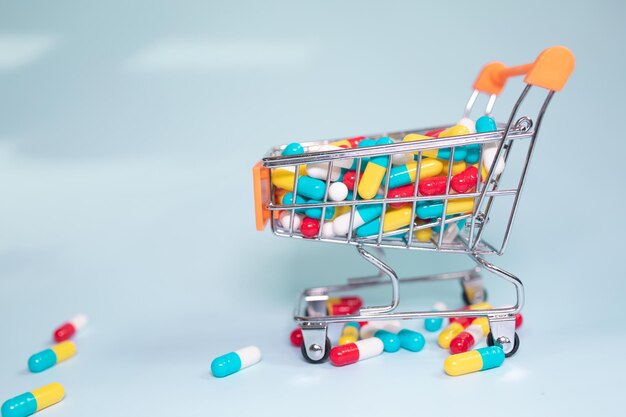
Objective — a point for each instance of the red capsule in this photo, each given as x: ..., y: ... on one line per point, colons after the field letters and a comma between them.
x: 344, y: 354
x: 461, y: 343
x: 433, y: 185
x: 463, y: 181
x: 434, y: 133
x: 518, y: 320
x: 65, y: 332
x: 463, y: 321
x: 296, y: 337
x: 354, y: 142
x: 309, y: 227
x: 353, y: 301
x: 401, y: 192
x: 340, y: 310
x: 349, y: 178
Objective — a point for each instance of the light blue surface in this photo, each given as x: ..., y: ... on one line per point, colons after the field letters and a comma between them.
x: 128, y: 131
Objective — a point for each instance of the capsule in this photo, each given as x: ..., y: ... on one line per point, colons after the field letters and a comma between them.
x: 474, y: 360
x: 357, y: 351
x: 349, y: 177
x: 368, y: 330
x: 464, y: 181
x: 406, y: 174
x: 363, y: 213
x: 434, y: 324
x: 457, y: 167
x: 320, y: 171
x: 474, y: 333
x: 284, y: 177
x: 453, y: 329
x: 394, y: 219
x: 403, y: 191
x: 391, y: 341
x: 350, y: 333
x: 374, y: 172
x: 338, y: 191
x: 235, y: 361
x: 401, y: 159
x: 316, y: 212
x: 487, y: 124
x: 285, y: 220
x: 48, y: 358
x: 433, y: 186
x: 459, y: 152
x: 423, y: 235
x: 411, y: 340
x: 469, y: 124
x: 434, y: 209
x: 293, y: 148
x: 337, y: 306
x: 69, y: 329
x: 33, y: 401
x: 288, y: 200
x: 296, y: 337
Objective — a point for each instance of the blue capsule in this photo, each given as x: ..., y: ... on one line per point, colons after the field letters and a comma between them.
x: 235, y: 361
x: 473, y: 154
x: 316, y: 213
x: 391, y: 342
x: 433, y: 324
x: 486, y: 124
x: 288, y: 200
x: 293, y: 149
x: 311, y: 188
x: 411, y: 340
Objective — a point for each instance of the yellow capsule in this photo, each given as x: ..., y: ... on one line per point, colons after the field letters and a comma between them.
x: 397, y: 218
x: 483, y: 172
x: 460, y: 205
x: 424, y: 235
x: 371, y: 179
x: 483, y: 322
x: 429, y: 168
x: 339, y: 210
x: 449, y: 333
x: 283, y: 178
x: 48, y: 395
x: 457, y: 167
x: 463, y: 363
x: 64, y: 350
x: 481, y: 306
x: 344, y: 340
x: 456, y: 130
x: 350, y: 331
x: 342, y: 143
x: 413, y: 137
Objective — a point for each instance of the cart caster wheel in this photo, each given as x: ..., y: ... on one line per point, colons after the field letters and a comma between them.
x: 515, y: 345
x: 466, y: 298
x: 323, y: 359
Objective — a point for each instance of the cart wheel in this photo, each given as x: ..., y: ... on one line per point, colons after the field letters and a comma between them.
x: 515, y: 344
x: 303, y: 349
x: 466, y: 298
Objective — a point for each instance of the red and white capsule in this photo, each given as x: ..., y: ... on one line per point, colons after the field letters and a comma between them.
x: 473, y: 334
x: 357, y: 351
x: 69, y: 329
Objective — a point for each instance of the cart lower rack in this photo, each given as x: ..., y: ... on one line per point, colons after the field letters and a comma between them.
x: 424, y: 190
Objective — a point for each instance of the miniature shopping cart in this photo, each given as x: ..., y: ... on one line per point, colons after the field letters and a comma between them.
x: 550, y: 71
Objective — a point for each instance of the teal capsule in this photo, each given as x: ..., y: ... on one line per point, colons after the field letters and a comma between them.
x: 391, y: 341
x: 430, y: 210
x: 316, y: 213
x: 20, y: 406
x: 288, y: 200
x: 411, y: 340
x: 42, y: 360
x: 293, y: 149
x: 459, y: 154
x: 235, y: 361
x: 473, y: 154
x: 433, y: 324
x: 493, y: 356
x: 311, y: 187
x: 363, y: 144
x: 486, y: 124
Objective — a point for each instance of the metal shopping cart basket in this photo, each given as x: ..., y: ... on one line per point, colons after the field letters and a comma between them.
x: 472, y: 206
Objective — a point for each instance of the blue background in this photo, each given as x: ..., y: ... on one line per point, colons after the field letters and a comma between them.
x: 127, y: 135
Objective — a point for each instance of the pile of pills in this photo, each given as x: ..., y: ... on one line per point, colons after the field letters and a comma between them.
x: 364, y: 340
x: 36, y: 400
x: 322, y: 183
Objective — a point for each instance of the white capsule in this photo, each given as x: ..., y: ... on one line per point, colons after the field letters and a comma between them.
x: 489, y: 155
x: 249, y: 356
x: 285, y: 219
x: 341, y: 163
x: 368, y: 348
x: 320, y: 171
x: 79, y: 321
x: 338, y: 191
x: 341, y: 224
x: 368, y: 330
x: 327, y: 230
x: 468, y: 123
x: 476, y: 331
x: 401, y: 158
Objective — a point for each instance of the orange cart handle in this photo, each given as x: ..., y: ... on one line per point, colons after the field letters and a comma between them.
x: 550, y: 70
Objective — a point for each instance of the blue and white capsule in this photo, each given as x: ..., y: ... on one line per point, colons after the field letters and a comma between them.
x: 363, y: 213
x: 233, y: 362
